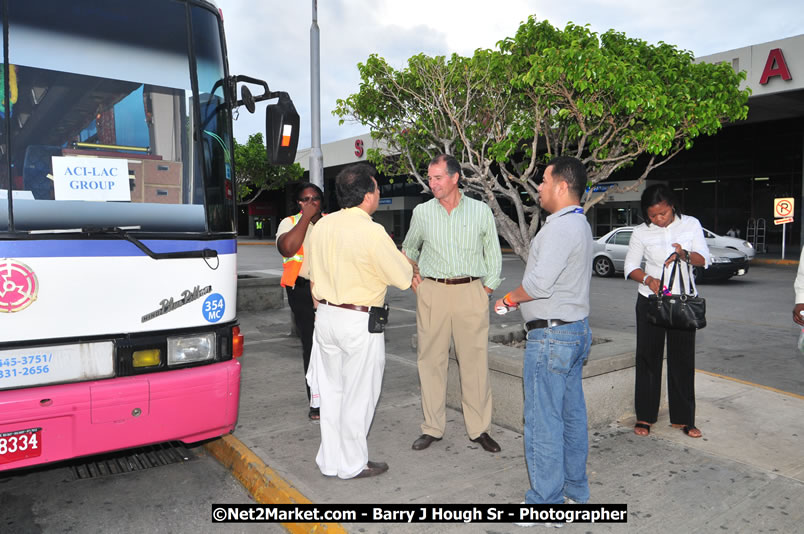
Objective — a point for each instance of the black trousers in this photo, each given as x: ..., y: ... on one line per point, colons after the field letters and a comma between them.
x: 680, y: 370
x: 301, y: 304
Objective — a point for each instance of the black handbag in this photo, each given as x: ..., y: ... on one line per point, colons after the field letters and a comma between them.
x: 680, y: 312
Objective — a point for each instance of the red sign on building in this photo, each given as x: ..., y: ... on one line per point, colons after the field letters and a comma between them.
x: 261, y: 209
x: 775, y: 66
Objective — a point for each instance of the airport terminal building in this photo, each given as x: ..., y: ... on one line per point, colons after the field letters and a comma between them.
x: 727, y: 180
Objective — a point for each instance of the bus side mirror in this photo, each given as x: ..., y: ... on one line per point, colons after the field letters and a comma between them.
x: 282, y: 131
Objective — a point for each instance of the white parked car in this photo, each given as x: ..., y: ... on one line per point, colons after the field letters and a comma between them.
x: 610, y: 250
x: 722, y: 241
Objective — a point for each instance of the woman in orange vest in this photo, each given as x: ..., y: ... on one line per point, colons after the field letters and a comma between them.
x: 291, y: 240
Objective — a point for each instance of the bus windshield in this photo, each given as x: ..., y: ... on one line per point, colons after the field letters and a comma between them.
x: 113, y: 117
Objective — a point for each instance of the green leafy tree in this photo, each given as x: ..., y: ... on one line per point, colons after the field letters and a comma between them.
x: 609, y: 100
x: 254, y: 174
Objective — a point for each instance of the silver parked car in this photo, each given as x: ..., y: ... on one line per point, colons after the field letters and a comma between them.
x: 610, y: 251
x: 722, y: 241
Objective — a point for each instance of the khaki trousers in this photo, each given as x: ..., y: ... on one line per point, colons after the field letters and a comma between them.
x: 459, y: 313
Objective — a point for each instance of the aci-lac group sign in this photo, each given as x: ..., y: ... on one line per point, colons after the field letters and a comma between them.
x: 101, y: 179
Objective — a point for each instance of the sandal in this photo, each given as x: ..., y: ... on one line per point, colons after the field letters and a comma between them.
x: 638, y: 427
x: 689, y: 430
x: 314, y: 414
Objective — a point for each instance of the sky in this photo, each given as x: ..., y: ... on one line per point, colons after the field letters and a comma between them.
x: 270, y: 39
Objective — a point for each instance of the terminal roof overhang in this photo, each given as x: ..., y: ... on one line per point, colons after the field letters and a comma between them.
x: 777, y: 106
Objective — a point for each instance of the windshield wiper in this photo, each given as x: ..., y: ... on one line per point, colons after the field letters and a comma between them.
x: 122, y: 232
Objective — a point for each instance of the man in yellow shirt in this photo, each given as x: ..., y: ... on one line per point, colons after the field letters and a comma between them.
x: 352, y: 263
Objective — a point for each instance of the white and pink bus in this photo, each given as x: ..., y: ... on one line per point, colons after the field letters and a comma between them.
x: 118, y: 282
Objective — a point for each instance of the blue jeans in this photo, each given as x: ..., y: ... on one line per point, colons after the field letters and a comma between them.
x: 556, y: 439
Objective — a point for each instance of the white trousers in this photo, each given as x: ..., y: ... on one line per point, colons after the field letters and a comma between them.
x: 346, y: 368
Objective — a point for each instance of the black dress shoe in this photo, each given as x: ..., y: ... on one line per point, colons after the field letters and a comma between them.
x: 372, y: 469
x: 424, y: 441
x: 487, y: 443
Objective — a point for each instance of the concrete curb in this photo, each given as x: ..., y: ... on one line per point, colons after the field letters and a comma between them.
x: 262, y: 482
x: 773, y: 261
x: 752, y: 384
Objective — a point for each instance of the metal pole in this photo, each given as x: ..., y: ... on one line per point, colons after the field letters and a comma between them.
x: 801, y: 201
x: 316, y: 156
x: 784, y: 227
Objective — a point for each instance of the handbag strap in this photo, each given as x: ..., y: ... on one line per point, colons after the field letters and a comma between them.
x: 672, y: 276
x: 681, y: 279
x: 689, y: 273
x: 684, y: 290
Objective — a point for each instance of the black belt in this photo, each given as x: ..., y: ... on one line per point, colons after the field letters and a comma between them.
x: 347, y: 306
x: 453, y: 281
x: 544, y: 323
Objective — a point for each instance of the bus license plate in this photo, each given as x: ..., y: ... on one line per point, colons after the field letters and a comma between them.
x: 20, y: 444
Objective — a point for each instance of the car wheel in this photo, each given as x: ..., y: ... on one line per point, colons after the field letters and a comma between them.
x: 603, y: 266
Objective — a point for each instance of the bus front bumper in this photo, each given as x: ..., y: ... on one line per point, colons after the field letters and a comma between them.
x: 52, y: 423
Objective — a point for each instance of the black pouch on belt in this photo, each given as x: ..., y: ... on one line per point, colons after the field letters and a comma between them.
x: 378, y: 318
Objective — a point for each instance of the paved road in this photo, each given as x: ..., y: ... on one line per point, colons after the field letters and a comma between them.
x: 172, y: 498
x: 750, y: 335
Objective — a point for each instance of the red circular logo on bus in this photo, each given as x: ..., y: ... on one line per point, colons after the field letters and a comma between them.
x: 18, y: 286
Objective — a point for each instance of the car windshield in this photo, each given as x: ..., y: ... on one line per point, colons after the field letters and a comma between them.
x: 100, y: 124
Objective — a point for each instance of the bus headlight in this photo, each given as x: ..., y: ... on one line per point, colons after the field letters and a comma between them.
x: 191, y: 349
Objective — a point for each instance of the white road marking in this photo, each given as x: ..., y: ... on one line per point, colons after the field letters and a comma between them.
x: 400, y: 326
x: 400, y: 359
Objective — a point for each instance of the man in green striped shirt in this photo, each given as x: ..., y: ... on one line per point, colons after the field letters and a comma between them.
x: 453, y: 245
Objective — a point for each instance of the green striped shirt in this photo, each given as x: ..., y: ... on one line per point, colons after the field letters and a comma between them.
x: 451, y: 245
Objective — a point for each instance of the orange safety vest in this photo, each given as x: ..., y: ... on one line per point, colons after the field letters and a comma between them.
x: 292, y: 265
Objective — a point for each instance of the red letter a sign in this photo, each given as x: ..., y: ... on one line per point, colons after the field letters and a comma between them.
x: 775, y: 66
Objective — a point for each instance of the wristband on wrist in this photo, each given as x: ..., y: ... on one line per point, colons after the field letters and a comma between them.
x: 645, y: 280
x: 508, y: 302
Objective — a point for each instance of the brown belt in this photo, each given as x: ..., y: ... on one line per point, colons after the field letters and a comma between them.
x: 544, y: 323
x: 453, y: 281
x: 347, y: 306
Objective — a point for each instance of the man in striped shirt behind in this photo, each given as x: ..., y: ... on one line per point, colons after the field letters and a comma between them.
x: 453, y: 245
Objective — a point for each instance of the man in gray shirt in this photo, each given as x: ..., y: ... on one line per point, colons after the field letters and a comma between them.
x: 554, y: 298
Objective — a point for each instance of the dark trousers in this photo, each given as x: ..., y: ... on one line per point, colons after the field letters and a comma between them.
x: 301, y: 304
x: 680, y: 370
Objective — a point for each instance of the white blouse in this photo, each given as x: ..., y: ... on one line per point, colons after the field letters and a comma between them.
x: 654, y: 244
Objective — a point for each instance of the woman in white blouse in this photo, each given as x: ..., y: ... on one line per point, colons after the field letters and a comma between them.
x: 664, y: 235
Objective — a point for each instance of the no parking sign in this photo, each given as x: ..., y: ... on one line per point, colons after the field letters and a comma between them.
x: 783, y: 213
x: 783, y: 207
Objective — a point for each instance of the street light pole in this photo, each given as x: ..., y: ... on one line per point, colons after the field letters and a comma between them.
x: 316, y: 156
